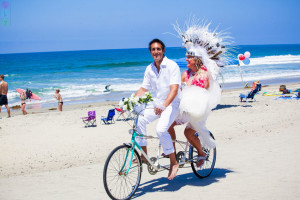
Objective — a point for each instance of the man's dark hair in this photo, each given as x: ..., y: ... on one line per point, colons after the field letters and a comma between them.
x: 158, y: 41
x: 2, y: 76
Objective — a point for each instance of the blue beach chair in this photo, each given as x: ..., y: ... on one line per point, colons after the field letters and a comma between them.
x: 110, y: 117
x: 250, y: 95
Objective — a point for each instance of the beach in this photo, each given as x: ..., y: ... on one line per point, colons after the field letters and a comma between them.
x: 51, y: 155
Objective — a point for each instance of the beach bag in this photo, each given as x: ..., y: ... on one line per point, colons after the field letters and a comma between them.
x: 281, y: 88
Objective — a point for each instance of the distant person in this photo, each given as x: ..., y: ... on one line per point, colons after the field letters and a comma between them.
x: 23, y: 103
x: 107, y: 88
x: 59, y: 99
x: 28, y: 94
x: 258, y: 85
x: 3, y: 94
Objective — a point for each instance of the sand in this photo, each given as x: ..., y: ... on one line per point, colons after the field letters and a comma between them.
x: 51, y: 155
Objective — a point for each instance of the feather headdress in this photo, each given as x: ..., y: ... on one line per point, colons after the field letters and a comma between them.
x: 204, y: 43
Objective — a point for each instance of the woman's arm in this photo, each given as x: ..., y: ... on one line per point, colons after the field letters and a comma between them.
x: 206, y: 75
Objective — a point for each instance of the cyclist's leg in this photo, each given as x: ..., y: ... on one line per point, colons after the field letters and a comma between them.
x: 173, y: 134
x: 148, y: 117
x: 166, y: 119
x: 195, y: 142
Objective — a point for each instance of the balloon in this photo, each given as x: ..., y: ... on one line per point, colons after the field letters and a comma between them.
x: 247, y: 54
x: 246, y: 61
x: 241, y: 57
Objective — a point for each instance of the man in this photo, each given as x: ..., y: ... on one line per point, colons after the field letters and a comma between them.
x: 3, y: 94
x: 28, y: 94
x: 162, y: 78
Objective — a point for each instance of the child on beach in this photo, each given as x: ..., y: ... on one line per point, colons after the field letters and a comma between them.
x: 23, y: 103
x: 59, y: 99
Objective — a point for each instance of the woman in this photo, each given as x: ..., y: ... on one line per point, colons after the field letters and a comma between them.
x: 201, y: 91
x: 197, y: 75
x: 23, y: 104
x: 58, y: 97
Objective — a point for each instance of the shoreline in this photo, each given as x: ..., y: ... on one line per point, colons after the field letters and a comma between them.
x: 115, y: 97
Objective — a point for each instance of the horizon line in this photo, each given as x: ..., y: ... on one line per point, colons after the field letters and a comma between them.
x: 130, y: 48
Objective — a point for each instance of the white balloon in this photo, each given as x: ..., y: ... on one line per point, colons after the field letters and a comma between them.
x: 247, y: 54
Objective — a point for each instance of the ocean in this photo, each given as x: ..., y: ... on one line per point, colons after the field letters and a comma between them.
x: 82, y: 75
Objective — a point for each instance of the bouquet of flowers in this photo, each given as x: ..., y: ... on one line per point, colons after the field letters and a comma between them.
x: 135, y: 101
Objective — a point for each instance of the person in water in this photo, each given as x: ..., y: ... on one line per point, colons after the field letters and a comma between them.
x: 107, y: 88
x: 23, y: 103
x: 59, y: 99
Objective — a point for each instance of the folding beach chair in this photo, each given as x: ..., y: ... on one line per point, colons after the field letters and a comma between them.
x: 250, y: 95
x: 90, y: 120
x: 110, y: 117
x: 121, y: 113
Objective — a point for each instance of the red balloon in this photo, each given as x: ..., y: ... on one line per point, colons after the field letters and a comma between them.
x: 241, y: 57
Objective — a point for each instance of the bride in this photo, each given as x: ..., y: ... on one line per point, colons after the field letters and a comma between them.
x: 201, y: 91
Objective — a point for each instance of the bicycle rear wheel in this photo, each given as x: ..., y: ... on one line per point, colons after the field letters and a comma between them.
x: 117, y: 183
x: 208, y: 166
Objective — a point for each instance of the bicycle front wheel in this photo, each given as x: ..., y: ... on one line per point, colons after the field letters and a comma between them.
x: 206, y: 169
x: 117, y: 182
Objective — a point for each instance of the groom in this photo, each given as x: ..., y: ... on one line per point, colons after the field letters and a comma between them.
x: 162, y: 78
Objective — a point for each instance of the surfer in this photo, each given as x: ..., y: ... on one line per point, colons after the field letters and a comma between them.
x: 59, y: 99
x: 28, y: 94
x: 23, y: 103
x: 107, y: 88
x: 3, y: 94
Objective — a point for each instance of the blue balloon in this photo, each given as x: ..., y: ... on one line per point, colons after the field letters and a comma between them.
x: 246, y: 61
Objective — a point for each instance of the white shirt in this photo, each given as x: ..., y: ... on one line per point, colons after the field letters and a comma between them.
x: 159, y: 83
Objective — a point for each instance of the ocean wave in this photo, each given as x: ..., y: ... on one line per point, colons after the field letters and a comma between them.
x: 266, y: 60
x: 119, y: 64
x: 273, y: 60
x: 236, y: 76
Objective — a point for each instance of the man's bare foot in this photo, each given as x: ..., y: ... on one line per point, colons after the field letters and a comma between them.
x: 173, y: 171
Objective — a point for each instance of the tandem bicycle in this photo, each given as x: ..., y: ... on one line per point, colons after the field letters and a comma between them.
x: 123, y: 167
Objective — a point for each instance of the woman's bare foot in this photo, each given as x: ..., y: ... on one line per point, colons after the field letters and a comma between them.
x: 200, y: 160
x: 173, y: 171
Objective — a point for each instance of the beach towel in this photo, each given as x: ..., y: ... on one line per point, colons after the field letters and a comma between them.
x: 287, y: 97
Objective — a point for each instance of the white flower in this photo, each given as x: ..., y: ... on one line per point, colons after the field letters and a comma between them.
x: 135, y: 100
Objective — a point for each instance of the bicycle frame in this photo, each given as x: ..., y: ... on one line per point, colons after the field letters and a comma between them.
x: 133, y: 144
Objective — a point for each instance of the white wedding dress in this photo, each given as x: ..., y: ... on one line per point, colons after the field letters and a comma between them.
x: 196, y: 104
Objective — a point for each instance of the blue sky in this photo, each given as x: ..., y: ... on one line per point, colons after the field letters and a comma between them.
x: 59, y: 25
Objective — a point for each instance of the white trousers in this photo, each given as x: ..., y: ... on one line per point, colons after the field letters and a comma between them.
x: 166, y: 119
